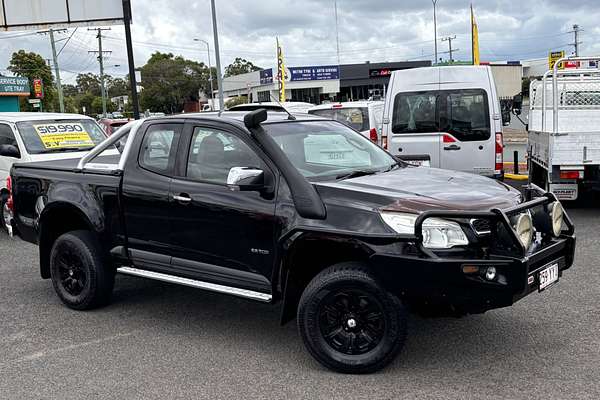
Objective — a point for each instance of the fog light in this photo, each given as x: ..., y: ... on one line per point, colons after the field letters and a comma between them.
x: 557, y: 214
x: 490, y: 273
x: 470, y: 269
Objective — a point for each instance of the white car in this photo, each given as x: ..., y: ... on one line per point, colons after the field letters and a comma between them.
x: 294, y: 107
x: 363, y: 116
x: 30, y: 137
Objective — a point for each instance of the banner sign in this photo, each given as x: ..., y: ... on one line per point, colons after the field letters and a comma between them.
x: 281, y: 73
x: 323, y: 73
x: 14, y: 86
x: 38, y: 88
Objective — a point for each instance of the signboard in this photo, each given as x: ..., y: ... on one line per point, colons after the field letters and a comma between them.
x: 554, y: 56
x: 38, y: 88
x: 14, y: 86
x: 34, y: 101
x: 38, y: 14
x: 327, y: 72
x: 266, y: 76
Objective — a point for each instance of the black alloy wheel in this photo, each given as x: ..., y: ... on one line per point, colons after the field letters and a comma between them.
x: 352, y: 321
x: 81, y: 271
x: 349, y: 322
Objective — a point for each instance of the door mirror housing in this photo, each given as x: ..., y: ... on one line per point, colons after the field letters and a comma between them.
x: 246, y: 179
x: 517, y: 104
x: 9, y: 150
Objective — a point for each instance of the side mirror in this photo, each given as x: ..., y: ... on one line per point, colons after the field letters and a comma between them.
x: 506, y: 117
x: 517, y: 104
x: 9, y: 150
x: 246, y: 179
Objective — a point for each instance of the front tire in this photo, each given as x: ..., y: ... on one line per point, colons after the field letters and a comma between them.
x: 80, y: 271
x: 5, y: 215
x: 349, y: 322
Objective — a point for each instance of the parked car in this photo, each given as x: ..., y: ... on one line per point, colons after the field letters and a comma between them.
x: 363, y: 116
x: 294, y: 107
x: 305, y: 211
x: 446, y: 117
x: 111, y: 125
x: 26, y: 137
x: 564, y: 131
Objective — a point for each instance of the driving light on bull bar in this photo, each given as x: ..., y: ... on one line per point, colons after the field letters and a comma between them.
x: 558, y: 214
x: 490, y: 273
x: 524, y: 229
x: 437, y: 233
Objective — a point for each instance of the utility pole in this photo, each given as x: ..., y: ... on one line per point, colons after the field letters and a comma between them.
x: 337, y: 31
x: 217, y: 55
x: 575, y: 32
x: 101, y: 61
x: 61, y: 99
x: 449, y: 39
x: 435, y: 39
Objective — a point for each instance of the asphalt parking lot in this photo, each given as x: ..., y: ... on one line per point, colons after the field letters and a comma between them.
x: 158, y: 341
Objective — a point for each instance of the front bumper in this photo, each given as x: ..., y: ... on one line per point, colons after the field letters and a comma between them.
x: 427, y: 278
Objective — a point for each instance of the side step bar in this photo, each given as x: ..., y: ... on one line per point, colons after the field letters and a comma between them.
x: 213, y: 287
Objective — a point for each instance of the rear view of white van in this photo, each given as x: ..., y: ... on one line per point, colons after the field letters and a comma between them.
x: 445, y: 117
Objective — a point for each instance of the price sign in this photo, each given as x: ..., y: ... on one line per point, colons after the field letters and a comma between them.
x: 63, y: 136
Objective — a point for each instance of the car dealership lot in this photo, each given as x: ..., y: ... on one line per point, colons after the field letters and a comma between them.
x: 162, y: 341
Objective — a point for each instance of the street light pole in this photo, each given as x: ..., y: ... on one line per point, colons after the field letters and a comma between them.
x: 210, y: 77
x: 435, y: 30
x: 217, y: 55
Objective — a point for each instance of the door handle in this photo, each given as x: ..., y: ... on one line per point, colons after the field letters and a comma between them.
x: 452, y: 148
x: 183, y: 198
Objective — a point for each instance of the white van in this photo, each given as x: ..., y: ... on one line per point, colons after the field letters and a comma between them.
x: 445, y: 117
x: 363, y: 116
x: 27, y: 137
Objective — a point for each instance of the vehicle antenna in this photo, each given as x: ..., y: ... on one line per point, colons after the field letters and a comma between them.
x: 290, y: 115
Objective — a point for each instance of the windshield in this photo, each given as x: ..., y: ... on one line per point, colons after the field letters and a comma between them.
x: 58, y: 136
x: 355, y: 117
x: 328, y: 149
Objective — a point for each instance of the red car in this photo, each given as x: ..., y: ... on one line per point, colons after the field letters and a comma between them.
x: 110, y: 126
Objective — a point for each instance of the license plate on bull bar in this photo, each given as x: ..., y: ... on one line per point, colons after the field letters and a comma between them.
x: 548, y: 276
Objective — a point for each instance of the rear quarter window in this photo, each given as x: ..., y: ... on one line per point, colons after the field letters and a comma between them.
x: 356, y: 118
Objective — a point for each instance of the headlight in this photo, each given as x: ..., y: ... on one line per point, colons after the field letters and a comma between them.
x: 558, y: 214
x: 524, y: 229
x: 437, y: 233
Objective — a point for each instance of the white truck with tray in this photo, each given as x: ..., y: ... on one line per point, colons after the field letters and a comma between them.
x: 564, y: 128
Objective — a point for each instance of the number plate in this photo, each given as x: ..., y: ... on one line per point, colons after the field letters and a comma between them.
x: 419, y: 163
x: 548, y: 276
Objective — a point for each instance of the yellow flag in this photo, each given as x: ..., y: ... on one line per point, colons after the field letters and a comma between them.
x: 475, y: 39
x: 281, y: 72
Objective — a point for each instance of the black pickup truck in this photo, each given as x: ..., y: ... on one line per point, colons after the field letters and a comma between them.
x: 298, y: 210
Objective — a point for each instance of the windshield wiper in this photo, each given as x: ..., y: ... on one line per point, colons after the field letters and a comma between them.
x: 356, y: 174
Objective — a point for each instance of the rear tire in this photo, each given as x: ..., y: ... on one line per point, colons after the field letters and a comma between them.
x: 80, y: 271
x: 349, y: 322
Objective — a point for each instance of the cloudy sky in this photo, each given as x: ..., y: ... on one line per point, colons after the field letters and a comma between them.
x: 369, y: 30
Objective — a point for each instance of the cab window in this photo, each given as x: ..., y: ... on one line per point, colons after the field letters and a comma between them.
x: 159, y: 148
x: 213, y: 153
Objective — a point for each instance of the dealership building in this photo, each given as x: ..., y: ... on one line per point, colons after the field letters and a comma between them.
x: 11, y: 89
x: 318, y: 84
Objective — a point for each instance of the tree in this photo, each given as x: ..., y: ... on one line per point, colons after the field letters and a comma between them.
x: 89, y: 83
x: 170, y: 81
x: 240, y: 66
x: 33, y: 66
x: 118, y: 87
